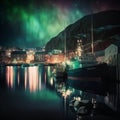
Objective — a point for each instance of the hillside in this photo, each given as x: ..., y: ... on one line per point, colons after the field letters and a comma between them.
x: 106, y: 30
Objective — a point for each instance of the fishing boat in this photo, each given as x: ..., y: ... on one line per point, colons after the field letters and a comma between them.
x: 89, y: 75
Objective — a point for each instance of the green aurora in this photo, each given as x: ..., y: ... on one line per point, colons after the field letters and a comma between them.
x: 38, y: 25
x: 32, y: 23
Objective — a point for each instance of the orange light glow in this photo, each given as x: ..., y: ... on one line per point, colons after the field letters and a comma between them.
x: 58, y: 58
x: 33, y: 82
x: 25, y: 82
x: 18, y: 77
x: 9, y: 76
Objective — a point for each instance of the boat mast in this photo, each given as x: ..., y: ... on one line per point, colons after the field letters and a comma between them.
x: 92, y: 41
x: 65, y: 45
x: 64, y: 42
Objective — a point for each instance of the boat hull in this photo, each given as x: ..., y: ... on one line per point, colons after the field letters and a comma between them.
x: 89, y: 79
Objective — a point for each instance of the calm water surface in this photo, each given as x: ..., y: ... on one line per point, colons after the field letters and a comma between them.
x: 29, y: 93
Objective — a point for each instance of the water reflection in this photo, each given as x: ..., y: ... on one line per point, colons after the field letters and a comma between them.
x: 38, y: 80
x: 32, y: 78
x: 10, y: 76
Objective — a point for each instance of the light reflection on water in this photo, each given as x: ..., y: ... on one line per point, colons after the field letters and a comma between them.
x: 34, y: 81
x: 32, y: 78
x: 28, y: 93
x: 9, y: 76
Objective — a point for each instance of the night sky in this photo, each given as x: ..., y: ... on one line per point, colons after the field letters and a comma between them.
x: 32, y: 23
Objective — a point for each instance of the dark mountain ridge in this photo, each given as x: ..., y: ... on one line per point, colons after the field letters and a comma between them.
x: 106, y: 27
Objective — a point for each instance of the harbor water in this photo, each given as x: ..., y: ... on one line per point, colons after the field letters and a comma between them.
x: 32, y: 92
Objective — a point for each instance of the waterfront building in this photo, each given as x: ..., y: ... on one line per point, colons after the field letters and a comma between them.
x: 110, y: 54
x: 39, y: 57
x: 2, y: 56
x: 30, y: 56
x: 112, y: 58
x: 18, y: 56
